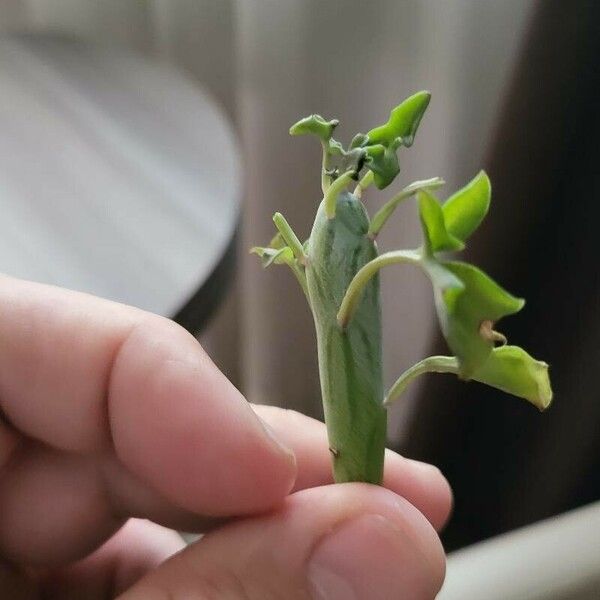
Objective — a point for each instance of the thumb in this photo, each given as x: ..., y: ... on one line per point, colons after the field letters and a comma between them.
x: 339, y: 542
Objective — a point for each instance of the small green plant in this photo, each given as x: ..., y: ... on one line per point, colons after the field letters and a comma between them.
x: 338, y: 270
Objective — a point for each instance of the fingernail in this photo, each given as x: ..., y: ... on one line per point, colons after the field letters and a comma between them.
x: 273, y: 436
x: 359, y: 560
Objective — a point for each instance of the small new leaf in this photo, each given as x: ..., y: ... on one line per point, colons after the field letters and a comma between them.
x: 316, y: 125
x: 359, y: 140
x: 383, y: 161
x: 466, y: 298
x: 437, y: 237
x: 277, y: 256
x: 353, y: 160
x: 276, y: 242
x: 464, y: 210
x: 403, y: 122
x: 512, y: 370
x: 334, y: 148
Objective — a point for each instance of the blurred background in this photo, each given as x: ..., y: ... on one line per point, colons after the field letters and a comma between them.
x: 144, y: 148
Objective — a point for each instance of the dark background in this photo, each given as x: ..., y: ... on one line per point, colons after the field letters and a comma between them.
x: 508, y: 465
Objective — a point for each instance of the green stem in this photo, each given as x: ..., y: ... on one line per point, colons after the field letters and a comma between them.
x: 431, y: 364
x: 335, y: 190
x: 364, y: 183
x: 350, y: 362
x: 300, y: 275
x: 325, y: 178
x: 354, y: 291
x: 290, y: 238
x: 383, y: 214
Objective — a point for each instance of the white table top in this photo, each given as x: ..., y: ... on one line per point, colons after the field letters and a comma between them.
x: 118, y: 176
x: 554, y: 559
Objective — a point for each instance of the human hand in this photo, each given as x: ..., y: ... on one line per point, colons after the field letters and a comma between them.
x: 115, y: 425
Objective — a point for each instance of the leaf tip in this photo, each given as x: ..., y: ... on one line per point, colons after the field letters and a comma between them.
x: 425, y: 94
x: 316, y: 125
x: 483, y: 176
x: 545, y: 393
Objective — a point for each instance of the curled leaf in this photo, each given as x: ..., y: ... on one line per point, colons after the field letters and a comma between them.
x: 403, y: 122
x: 512, y: 370
x: 466, y: 298
x: 437, y: 237
x: 465, y: 209
x: 383, y: 161
x: 334, y: 148
x: 316, y: 125
x: 508, y: 368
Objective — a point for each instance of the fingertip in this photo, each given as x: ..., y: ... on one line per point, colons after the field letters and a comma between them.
x: 423, y: 485
x: 348, y: 541
x: 360, y: 559
x: 347, y: 501
x: 180, y: 425
x: 445, y: 505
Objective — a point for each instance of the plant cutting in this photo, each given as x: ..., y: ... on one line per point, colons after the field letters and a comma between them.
x: 338, y: 267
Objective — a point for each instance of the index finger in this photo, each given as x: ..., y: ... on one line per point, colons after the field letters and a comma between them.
x: 89, y: 376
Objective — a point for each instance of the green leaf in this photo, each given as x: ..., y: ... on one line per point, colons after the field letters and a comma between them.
x: 383, y: 162
x: 403, y: 122
x: 353, y: 160
x: 277, y: 256
x: 276, y: 242
x: 437, y: 237
x: 512, y: 370
x: 359, y: 140
x: 316, y: 125
x: 334, y: 147
x: 464, y: 210
x: 444, y: 281
x: 468, y: 303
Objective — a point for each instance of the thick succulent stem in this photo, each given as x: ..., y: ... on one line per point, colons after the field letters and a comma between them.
x: 350, y: 365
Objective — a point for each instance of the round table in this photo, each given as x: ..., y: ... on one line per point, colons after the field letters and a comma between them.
x: 118, y: 177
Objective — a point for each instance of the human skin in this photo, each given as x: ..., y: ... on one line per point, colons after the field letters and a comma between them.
x: 115, y: 425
